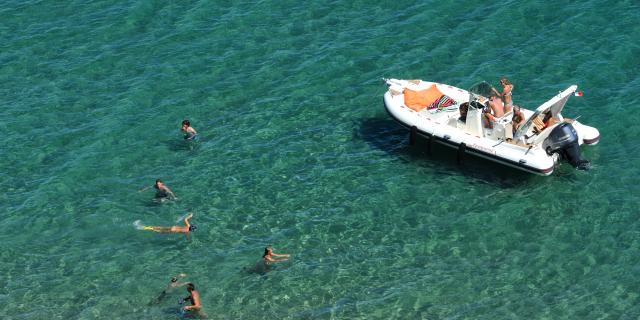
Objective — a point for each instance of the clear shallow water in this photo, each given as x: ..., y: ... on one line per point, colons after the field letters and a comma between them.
x: 297, y: 151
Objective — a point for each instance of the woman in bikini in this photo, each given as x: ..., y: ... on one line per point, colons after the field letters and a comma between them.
x: 507, y: 90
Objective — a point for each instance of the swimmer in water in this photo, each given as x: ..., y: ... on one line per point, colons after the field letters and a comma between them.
x: 193, y: 297
x: 175, y: 229
x: 268, y: 256
x: 162, y: 191
x: 172, y: 285
x: 189, y: 132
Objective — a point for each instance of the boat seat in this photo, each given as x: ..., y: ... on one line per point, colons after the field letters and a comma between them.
x: 508, y: 131
x: 538, y: 124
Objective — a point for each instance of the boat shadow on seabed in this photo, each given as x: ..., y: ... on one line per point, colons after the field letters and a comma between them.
x: 390, y: 137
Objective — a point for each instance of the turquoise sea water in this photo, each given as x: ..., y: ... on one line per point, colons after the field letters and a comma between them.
x: 297, y: 151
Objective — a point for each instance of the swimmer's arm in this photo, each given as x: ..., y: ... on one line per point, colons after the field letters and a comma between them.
x: 192, y: 132
x: 180, y: 284
x: 171, y: 194
x: 280, y: 255
x: 275, y: 260
x: 193, y: 307
x: 186, y: 220
x: 197, y: 305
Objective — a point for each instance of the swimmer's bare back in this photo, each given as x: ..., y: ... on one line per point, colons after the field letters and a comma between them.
x: 174, y: 229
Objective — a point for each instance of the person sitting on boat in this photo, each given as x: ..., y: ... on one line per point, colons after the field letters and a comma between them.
x: 518, y: 118
x: 463, y: 109
x: 547, y: 121
x: 497, y: 106
x: 495, y: 110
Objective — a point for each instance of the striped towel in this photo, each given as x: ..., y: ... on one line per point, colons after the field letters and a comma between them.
x: 441, y: 103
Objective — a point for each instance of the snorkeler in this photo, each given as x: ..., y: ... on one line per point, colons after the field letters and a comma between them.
x: 193, y: 297
x: 172, y: 285
x: 162, y: 191
x: 189, y: 132
x: 268, y: 256
x: 175, y: 229
x: 174, y: 282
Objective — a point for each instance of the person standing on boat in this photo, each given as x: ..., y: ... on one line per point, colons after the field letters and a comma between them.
x: 189, y: 132
x: 507, y: 90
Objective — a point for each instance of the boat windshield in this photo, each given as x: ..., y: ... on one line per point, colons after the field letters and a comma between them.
x: 553, y: 105
x: 483, y: 89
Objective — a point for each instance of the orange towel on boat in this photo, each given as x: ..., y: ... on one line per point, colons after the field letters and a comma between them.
x: 418, y: 100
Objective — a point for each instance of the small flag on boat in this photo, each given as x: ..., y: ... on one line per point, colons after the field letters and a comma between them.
x: 578, y: 93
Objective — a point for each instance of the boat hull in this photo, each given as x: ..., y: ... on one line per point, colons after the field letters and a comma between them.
x: 544, y: 171
x: 443, y: 127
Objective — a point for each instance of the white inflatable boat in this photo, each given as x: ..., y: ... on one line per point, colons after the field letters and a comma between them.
x: 454, y: 117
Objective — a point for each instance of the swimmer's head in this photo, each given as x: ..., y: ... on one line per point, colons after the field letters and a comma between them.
x: 186, y: 123
x: 174, y: 279
x: 267, y: 251
x: 193, y: 227
x: 190, y: 287
x: 158, y: 181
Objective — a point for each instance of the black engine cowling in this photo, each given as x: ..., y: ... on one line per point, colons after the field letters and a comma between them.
x: 564, y: 141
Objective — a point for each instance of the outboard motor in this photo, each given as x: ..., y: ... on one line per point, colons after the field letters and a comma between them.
x: 564, y: 141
